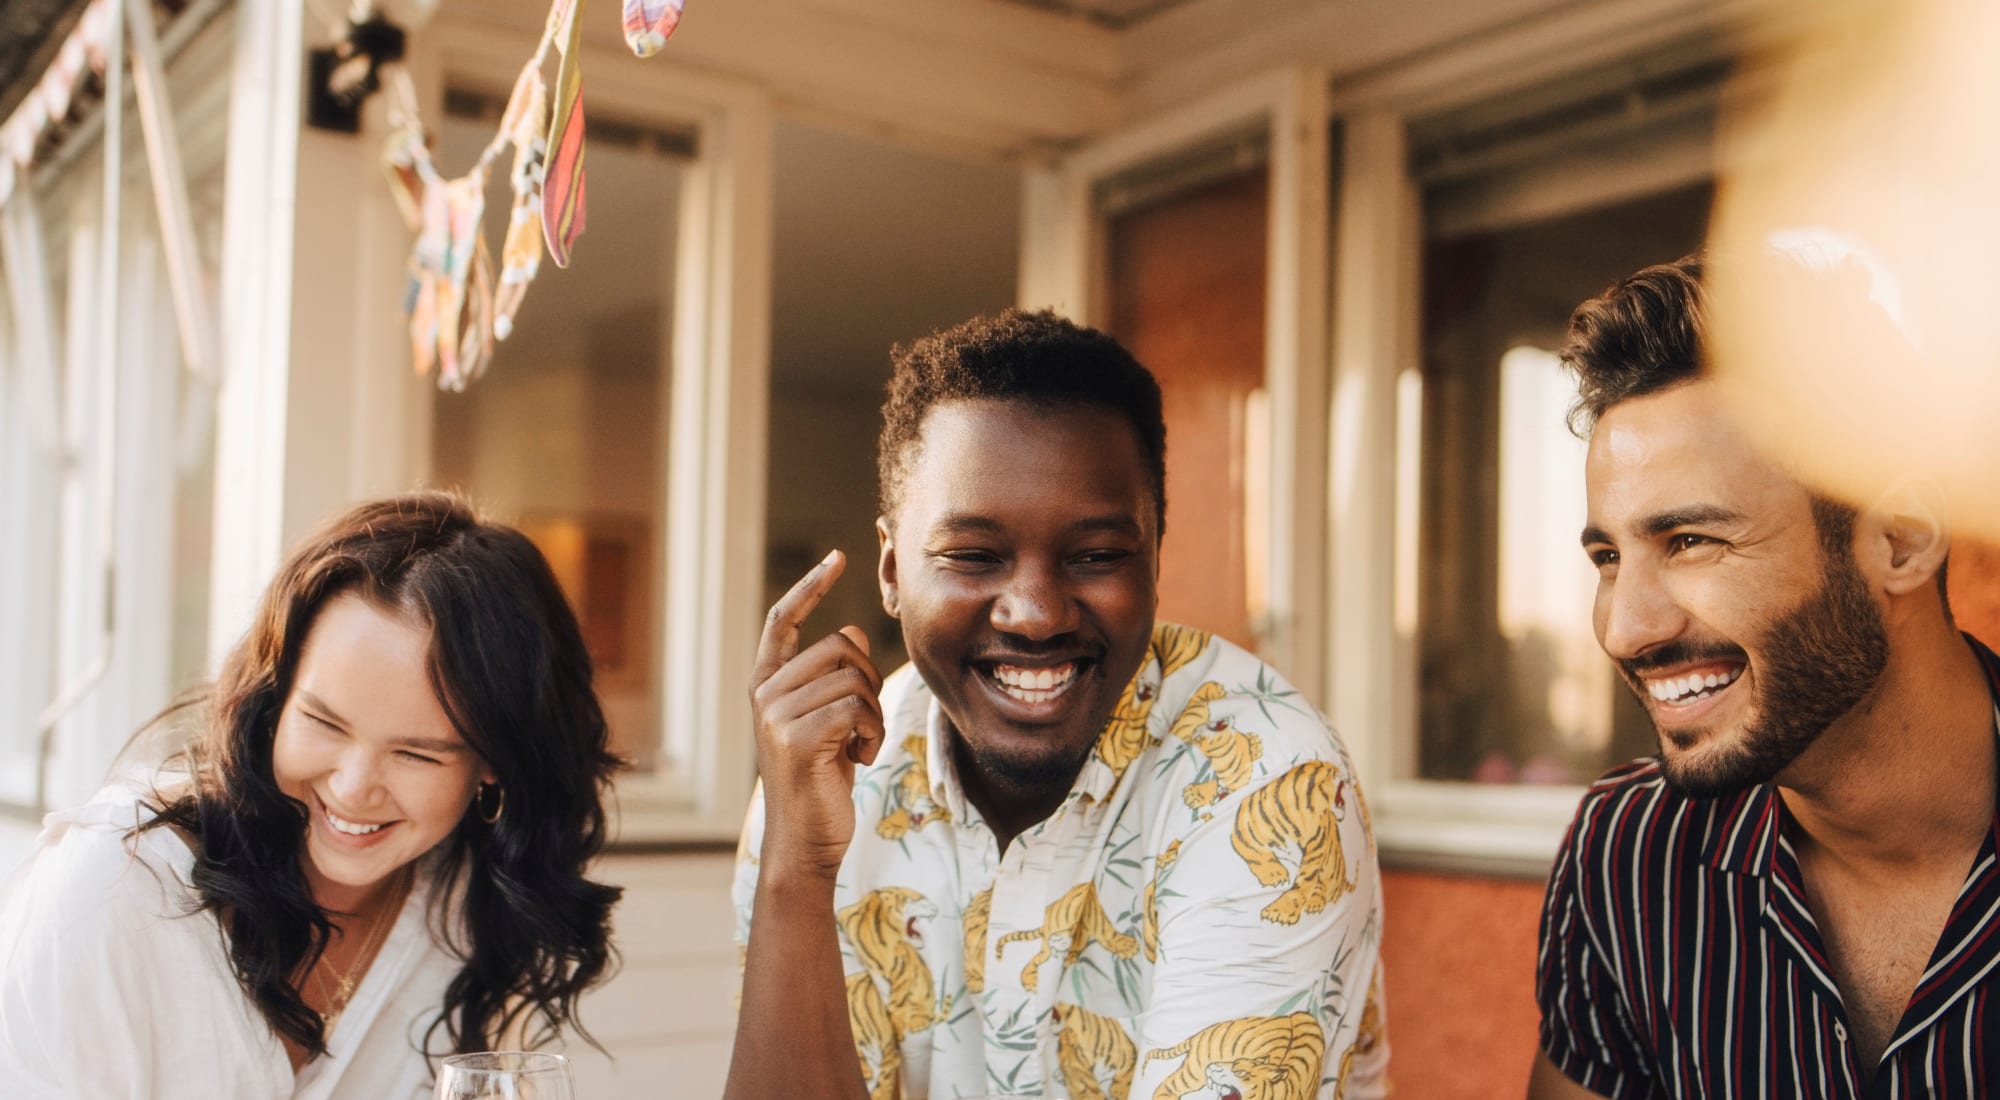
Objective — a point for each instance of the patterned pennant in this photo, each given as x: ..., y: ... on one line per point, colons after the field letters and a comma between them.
x: 523, y: 125
x: 649, y: 23
x: 562, y: 184
x: 475, y: 346
x: 421, y: 196
x: 465, y: 199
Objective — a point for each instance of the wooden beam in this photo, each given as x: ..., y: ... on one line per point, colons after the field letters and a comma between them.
x: 1001, y: 78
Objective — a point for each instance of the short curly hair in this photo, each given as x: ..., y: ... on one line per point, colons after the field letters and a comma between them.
x: 1037, y: 358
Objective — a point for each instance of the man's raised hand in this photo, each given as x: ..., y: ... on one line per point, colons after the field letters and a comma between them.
x: 818, y: 713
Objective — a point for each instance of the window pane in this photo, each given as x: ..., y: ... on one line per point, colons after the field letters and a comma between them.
x: 1512, y: 685
x: 873, y: 245
x: 565, y: 435
x: 162, y: 444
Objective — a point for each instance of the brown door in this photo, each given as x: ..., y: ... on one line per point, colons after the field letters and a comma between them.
x: 1185, y: 291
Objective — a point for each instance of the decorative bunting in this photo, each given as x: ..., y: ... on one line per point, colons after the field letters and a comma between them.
x: 649, y: 23
x: 521, y: 253
x: 457, y: 308
x: 562, y: 185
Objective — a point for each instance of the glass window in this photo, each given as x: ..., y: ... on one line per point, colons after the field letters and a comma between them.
x: 1512, y: 686
x: 53, y: 522
x: 873, y: 245
x: 565, y: 435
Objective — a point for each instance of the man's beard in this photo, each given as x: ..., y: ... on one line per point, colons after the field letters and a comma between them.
x: 1023, y: 776
x: 1815, y: 665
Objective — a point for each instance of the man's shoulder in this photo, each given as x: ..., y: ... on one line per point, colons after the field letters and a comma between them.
x: 1226, y: 724
x: 1208, y: 682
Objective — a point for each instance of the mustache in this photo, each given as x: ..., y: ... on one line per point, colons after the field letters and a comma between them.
x: 1062, y: 645
x: 1682, y: 653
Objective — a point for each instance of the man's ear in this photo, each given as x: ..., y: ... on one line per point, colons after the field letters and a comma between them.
x: 885, y: 566
x: 1905, y: 535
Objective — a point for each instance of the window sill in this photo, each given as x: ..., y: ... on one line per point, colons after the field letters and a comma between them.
x: 654, y: 812
x: 1471, y: 828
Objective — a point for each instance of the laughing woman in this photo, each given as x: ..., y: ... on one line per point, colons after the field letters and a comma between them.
x: 371, y: 854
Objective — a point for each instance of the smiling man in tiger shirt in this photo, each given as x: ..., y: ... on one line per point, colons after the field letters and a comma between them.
x: 1068, y: 850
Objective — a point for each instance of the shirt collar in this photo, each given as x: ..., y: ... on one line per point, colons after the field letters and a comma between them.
x: 1742, y: 835
x: 946, y: 790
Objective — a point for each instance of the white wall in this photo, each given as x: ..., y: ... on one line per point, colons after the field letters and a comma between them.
x: 669, y: 1016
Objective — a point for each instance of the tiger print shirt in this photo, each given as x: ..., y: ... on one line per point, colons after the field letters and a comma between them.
x: 1200, y: 918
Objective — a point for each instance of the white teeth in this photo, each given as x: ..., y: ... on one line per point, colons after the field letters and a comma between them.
x: 1680, y: 689
x: 342, y: 825
x: 1035, y: 685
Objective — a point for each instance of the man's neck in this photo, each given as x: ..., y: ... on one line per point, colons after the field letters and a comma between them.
x: 1907, y: 777
x: 1009, y: 810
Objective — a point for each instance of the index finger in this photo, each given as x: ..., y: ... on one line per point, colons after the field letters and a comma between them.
x: 780, y: 641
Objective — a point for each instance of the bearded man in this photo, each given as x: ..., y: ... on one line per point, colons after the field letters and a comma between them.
x: 1799, y: 895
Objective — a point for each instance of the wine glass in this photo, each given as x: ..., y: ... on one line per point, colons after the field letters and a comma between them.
x: 505, y: 1075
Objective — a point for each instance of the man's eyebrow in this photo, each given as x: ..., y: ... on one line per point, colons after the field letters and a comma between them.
x: 1698, y: 515
x: 968, y: 523
x: 1116, y: 524
x: 965, y: 523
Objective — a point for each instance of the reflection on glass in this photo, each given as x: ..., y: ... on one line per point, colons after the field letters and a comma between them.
x: 565, y: 434
x: 1511, y: 684
x: 1562, y: 681
x: 505, y: 1075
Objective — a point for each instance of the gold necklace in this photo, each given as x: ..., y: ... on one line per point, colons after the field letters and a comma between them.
x: 344, y: 984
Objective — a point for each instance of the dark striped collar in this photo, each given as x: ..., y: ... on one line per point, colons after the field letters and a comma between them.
x: 1743, y: 828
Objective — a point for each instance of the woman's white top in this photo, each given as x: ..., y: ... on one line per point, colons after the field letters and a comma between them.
x: 113, y: 987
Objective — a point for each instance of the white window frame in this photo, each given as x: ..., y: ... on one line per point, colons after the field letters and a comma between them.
x: 715, y: 478
x: 1371, y: 665
x: 105, y: 634
x: 1062, y: 262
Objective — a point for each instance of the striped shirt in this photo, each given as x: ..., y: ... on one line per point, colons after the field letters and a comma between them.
x: 1679, y: 958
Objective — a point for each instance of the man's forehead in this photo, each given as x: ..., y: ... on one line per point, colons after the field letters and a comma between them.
x: 979, y: 451
x: 1674, y: 449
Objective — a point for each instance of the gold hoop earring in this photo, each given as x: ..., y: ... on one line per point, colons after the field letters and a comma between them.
x: 499, y: 803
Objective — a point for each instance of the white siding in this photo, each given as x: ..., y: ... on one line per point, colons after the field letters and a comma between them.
x: 669, y: 1016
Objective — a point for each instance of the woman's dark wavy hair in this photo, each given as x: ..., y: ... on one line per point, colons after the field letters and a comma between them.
x: 508, y: 663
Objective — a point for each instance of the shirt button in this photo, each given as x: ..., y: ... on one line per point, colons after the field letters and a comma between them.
x: 1840, y: 1031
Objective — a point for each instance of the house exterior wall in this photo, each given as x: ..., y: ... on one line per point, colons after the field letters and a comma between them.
x: 1000, y: 83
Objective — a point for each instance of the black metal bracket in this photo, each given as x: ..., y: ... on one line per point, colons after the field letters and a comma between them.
x: 341, y: 77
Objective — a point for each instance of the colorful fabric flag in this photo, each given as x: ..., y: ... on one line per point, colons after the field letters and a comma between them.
x: 523, y: 125
x: 562, y: 183
x: 464, y: 342
x: 649, y: 23
x: 450, y: 267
